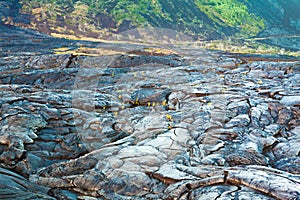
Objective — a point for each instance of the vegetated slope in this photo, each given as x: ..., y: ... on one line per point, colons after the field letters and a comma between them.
x: 207, y: 19
x: 204, y: 19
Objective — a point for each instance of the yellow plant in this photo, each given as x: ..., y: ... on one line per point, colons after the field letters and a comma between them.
x: 259, y: 82
x: 169, y: 117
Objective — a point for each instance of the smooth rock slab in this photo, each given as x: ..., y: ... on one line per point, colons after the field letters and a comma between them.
x: 290, y: 100
x: 14, y: 186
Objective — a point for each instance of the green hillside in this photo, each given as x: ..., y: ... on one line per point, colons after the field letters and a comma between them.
x: 275, y: 22
x: 101, y: 18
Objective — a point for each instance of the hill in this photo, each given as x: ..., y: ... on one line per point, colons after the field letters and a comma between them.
x: 274, y: 21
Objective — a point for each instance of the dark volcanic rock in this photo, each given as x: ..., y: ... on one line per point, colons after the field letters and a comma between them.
x: 191, y: 125
x: 14, y: 186
x: 148, y: 96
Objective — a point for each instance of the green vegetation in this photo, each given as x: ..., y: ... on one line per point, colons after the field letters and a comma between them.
x: 232, y: 13
x: 219, y: 24
x: 136, y: 12
x: 101, y: 18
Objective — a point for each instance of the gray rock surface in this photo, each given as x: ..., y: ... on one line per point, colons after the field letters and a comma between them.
x: 191, y: 125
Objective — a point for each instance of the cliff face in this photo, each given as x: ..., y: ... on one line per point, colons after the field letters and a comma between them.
x: 277, y: 13
x: 282, y: 20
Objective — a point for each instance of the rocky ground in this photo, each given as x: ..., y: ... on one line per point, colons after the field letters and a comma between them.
x: 149, y: 123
